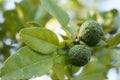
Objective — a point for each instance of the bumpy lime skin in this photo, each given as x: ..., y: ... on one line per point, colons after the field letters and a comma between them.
x: 90, y: 32
x: 79, y: 55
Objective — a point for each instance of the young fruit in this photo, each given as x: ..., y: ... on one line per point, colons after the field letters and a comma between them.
x: 90, y: 32
x: 79, y: 55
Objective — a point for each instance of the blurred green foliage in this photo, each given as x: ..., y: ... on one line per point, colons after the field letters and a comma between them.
x: 30, y: 13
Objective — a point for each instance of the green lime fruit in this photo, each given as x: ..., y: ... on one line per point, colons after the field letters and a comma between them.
x: 79, y: 55
x: 90, y: 32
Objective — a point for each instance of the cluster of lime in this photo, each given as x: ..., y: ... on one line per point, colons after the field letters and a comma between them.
x: 90, y: 33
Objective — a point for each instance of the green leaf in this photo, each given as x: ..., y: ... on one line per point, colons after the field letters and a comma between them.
x: 40, y: 15
x: 25, y: 64
x: 116, y: 60
x: 75, y: 69
x: 56, y: 11
x: 53, y: 75
x: 105, y: 55
x: 101, y: 43
x: 113, y: 41
x: 59, y: 70
x: 72, y: 30
x: 70, y: 70
x: 26, y: 10
x: 92, y: 71
x: 12, y: 24
x: 114, y: 12
x: 39, y: 39
x: 32, y: 23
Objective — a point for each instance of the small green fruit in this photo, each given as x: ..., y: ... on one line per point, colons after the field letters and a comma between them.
x: 90, y: 32
x: 79, y: 55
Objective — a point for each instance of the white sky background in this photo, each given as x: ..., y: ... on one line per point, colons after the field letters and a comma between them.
x: 103, y: 5
x: 109, y: 4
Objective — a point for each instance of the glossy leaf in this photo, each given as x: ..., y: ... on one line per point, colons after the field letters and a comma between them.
x: 92, y: 71
x: 59, y: 71
x: 32, y: 23
x: 113, y: 41
x: 56, y: 11
x: 39, y: 39
x: 25, y: 64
